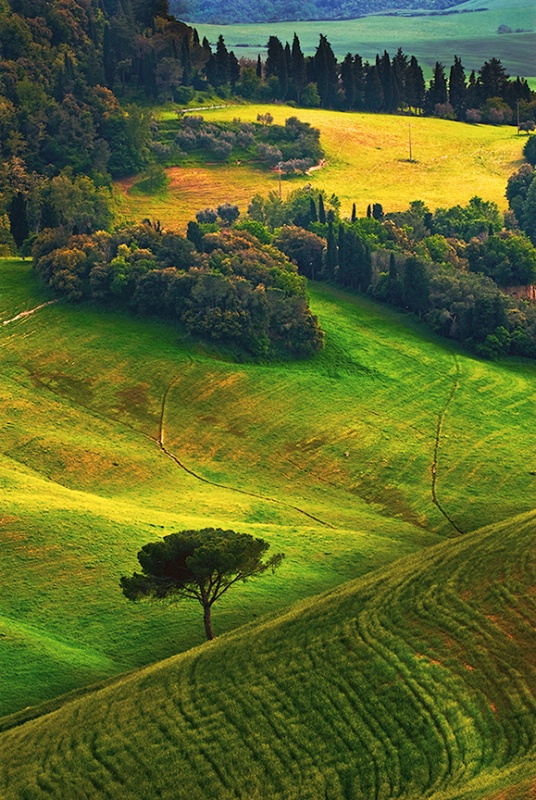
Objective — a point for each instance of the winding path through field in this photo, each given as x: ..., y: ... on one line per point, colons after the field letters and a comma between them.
x: 439, y: 431
x: 161, y: 435
x: 30, y: 311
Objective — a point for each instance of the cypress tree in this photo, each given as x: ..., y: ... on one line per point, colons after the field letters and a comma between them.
x: 354, y: 212
x: 416, y: 285
x: 437, y: 93
x: 186, y: 62
x: 345, y: 254
x: 471, y: 95
x: 385, y: 73
x: 392, y: 280
x: 321, y: 210
x: 331, y: 253
x: 365, y: 271
x: 222, y: 71
x: 276, y: 64
x: 399, y: 71
x: 326, y: 77
x: 348, y: 81
x: 18, y: 218
x: 359, y: 82
x: 275, y: 57
x: 457, y: 87
x: 258, y: 69
x: 234, y: 69
x: 415, y: 85
x: 373, y: 90
x: 299, y: 77
x: 312, y: 210
x: 492, y: 79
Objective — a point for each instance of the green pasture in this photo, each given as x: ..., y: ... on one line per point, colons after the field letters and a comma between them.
x: 416, y: 681
x: 332, y: 456
x: 367, y: 161
x: 472, y: 36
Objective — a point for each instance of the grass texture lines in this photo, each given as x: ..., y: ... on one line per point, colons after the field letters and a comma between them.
x: 350, y: 437
x: 419, y: 681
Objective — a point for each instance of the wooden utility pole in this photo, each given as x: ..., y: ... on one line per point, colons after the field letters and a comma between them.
x: 410, y: 143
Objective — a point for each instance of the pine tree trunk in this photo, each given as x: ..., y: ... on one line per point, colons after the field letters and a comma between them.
x: 208, y: 623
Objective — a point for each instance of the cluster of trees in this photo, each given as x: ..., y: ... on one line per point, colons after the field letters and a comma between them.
x: 242, y: 280
x: 62, y: 65
x: 388, y: 84
x: 456, y: 267
x: 521, y: 193
x: 221, y: 284
x: 240, y: 11
x: 294, y: 146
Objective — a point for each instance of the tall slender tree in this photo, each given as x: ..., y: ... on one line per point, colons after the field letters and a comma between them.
x: 457, y: 88
x: 326, y: 75
x: 415, y: 85
x: 299, y: 76
x: 348, y: 81
x: 437, y: 93
x: 373, y: 90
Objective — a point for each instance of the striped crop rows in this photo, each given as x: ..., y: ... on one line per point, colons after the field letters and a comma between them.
x: 403, y: 685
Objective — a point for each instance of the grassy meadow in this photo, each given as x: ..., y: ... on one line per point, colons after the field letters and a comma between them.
x: 472, y: 36
x: 418, y: 681
x: 332, y: 458
x: 367, y: 161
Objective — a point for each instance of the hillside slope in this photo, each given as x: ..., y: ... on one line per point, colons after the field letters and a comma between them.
x: 472, y: 36
x: 367, y: 162
x: 419, y: 680
x: 274, y: 10
x: 349, y: 437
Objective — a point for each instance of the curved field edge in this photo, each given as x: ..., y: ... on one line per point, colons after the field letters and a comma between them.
x: 419, y: 680
x: 367, y: 162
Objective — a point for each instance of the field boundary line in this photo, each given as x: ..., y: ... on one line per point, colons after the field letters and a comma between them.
x: 24, y: 314
x: 439, y: 432
x: 196, y: 475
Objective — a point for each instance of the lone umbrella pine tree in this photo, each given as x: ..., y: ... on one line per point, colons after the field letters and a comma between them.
x: 198, y: 565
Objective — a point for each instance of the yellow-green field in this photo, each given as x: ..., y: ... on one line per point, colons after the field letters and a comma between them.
x: 367, y: 161
x: 417, y: 681
x: 336, y: 454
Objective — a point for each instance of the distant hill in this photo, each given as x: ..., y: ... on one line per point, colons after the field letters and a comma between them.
x: 416, y: 681
x: 242, y: 11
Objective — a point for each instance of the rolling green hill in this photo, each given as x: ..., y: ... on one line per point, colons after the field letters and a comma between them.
x: 416, y: 681
x: 335, y: 461
x: 472, y: 36
x: 275, y: 10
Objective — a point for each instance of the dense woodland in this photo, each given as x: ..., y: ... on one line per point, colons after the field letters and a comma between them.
x: 223, y: 285
x: 73, y: 78
x: 466, y: 271
x: 218, y: 12
x: 78, y: 78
